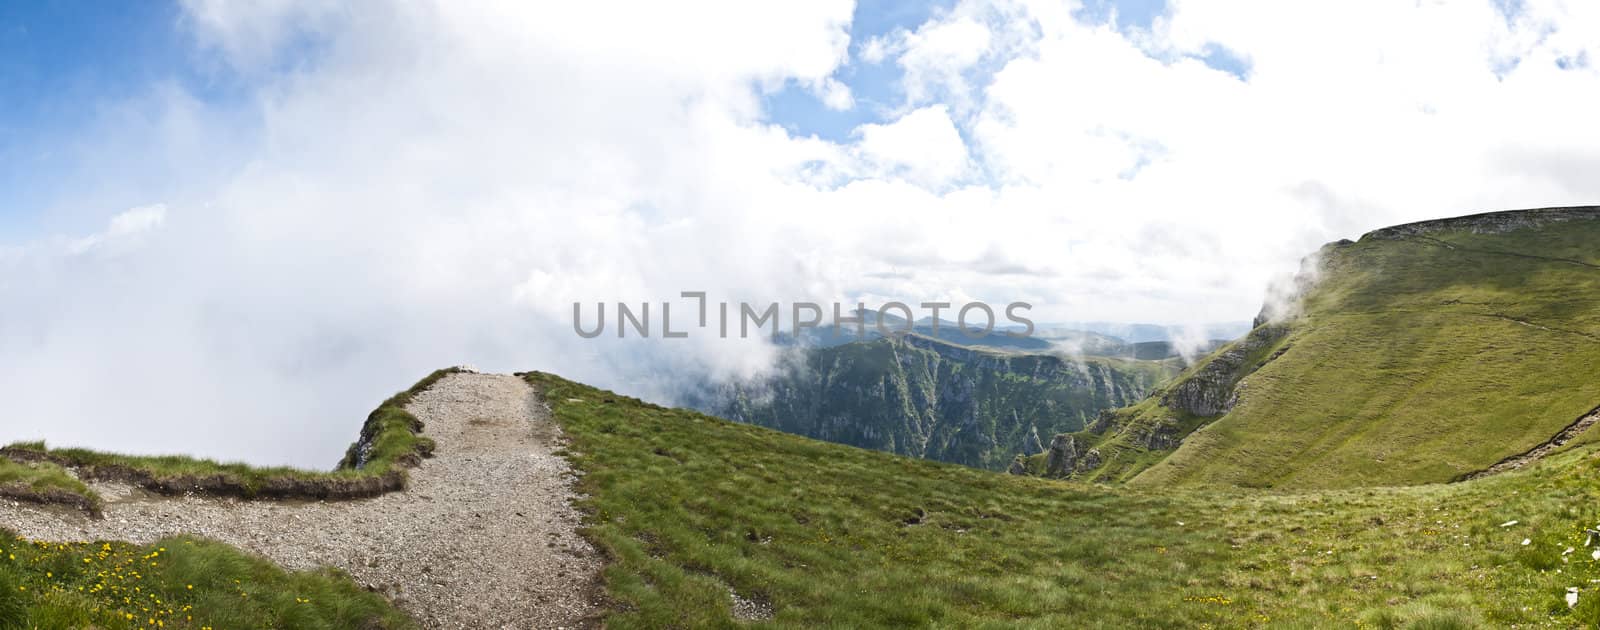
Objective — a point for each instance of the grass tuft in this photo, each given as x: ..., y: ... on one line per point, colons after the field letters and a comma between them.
x: 44, y: 482
x: 180, y: 582
x: 374, y: 464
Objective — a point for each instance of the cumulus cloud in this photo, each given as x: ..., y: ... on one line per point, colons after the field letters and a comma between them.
x: 834, y: 94
x: 124, y: 227
x: 935, y: 55
x: 922, y: 146
x: 436, y: 183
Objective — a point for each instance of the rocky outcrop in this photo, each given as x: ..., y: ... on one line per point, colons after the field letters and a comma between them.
x: 1090, y: 460
x: 1068, y: 456
x: 1209, y: 391
x: 1161, y: 436
x: 1062, y: 458
x: 1102, y: 423
x: 1488, y: 222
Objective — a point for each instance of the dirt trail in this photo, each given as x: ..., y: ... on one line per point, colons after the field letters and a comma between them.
x: 484, y: 537
x: 1537, y: 453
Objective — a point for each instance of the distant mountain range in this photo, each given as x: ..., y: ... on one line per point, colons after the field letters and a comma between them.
x: 926, y: 397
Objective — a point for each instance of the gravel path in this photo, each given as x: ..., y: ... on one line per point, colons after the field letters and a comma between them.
x: 485, y: 536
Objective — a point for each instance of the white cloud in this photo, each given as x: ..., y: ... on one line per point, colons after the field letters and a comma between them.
x: 876, y: 49
x: 122, y: 229
x: 252, y: 35
x: 935, y: 55
x: 437, y: 183
x: 436, y: 186
x: 834, y: 94
x: 922, y: 146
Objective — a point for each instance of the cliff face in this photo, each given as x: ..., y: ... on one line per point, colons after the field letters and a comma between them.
x: 925, y: 398
x: 1209, y: 390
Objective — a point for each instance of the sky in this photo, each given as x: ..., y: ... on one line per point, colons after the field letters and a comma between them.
x: 231, y: 229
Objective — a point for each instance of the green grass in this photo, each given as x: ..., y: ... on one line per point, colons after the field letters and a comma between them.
x: 44, y: 482
x: 175, y: 583
x: 688, y: 506
x: 1416, y: 361
x: 392, y: 433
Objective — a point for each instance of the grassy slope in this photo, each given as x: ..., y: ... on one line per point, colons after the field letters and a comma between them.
x: 689, y: 506
x: 392, y: 432
x: 174, y: 583
x: 1417, y: 361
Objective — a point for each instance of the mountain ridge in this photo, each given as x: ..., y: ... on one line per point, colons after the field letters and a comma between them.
x: 1406, y: 336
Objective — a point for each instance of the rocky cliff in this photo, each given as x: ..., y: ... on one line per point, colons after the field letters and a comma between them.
x: 1120, y: 443
x: 926, y: 398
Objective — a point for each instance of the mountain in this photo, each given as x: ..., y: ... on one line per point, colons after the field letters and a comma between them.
x: 927, y: 398
x: 1421, y: 353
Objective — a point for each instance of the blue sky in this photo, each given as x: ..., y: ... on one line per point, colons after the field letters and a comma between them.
x: 58, y: 66
x: 875, y: 86
x: 62, y: 67
x: 65, y: 71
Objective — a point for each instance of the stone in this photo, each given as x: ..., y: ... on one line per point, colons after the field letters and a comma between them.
x: 1062, y: 458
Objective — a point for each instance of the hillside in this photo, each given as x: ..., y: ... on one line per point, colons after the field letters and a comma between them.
x: 710, y: 522
x: 925, y: 398
x: 1421, y: 353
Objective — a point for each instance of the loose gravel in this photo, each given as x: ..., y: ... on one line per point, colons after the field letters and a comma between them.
x: 485, y: 536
